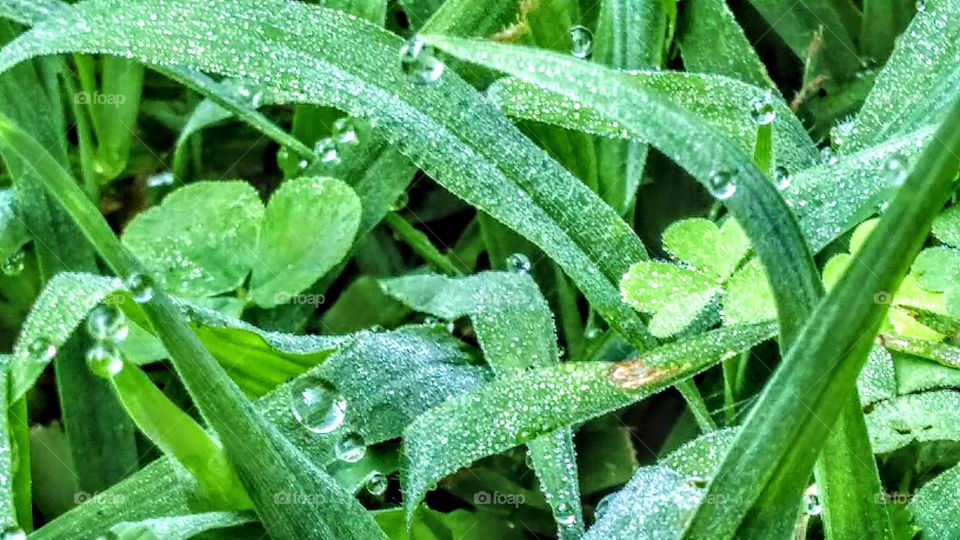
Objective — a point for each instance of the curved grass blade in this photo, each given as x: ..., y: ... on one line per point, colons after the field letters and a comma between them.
x: 252, y: 445
x: 179, y: 527
x: 784, y: 431
x: 521, y: 407
x: 711, y: 41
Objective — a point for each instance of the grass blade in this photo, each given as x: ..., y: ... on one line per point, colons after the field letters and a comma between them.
x: 711, y: 41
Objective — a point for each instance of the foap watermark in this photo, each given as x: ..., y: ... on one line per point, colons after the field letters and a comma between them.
x: 882, y: 297
x: 893, y: 497
x: 308, y: 299
x: 105, y: 498
x: 294, y: 497
x: 486, y: 497
x: 96, y: 98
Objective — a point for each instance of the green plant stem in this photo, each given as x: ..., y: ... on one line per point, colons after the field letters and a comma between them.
x: 420, y: 244
x: 697, y: 405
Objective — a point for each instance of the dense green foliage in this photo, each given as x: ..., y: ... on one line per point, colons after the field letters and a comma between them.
x: 480, y: 269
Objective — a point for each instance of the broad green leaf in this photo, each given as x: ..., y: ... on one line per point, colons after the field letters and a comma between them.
x: 467, y: 146
x: 936, y: 268
x: 518, y: 408
x: 918, y: 374
x: 721, y: 102
x: 712, y: 249
x: 515, y: 328
x: 673, y: 294
x: 947, y: 226
x: 13, y: 232
x: 289, y: 259
x: 935, y: 505
x: 711, y: 41
x: 930, y: 416
x: 201, y: 241
x: 917, y: 84
x: 748, y: 297
x: 878, y: 379
x: 179, y: 527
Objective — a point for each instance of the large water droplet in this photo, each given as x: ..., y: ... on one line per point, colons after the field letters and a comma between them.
x: 345, y: 131
x: 564, y: 515
x: 140, y: 287
x: 42, y: 350
x: 14, y: 263
x: 581, y: 41
x: 350, y: 448
x: 762, y: 110
x: 721, y: 184
x: 104, y: 360
x: 811, y: 501
x: 377, y: 484
x: 253, y: 96
x: 896, y: 171
x: 782, y: 177
x: 317, y: 405
x: 107, y: 323
x: 518, y: 262
x: 418, y: 62
x: 326, y: 150
x: 14, y: 534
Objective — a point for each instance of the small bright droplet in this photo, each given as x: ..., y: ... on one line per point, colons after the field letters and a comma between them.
x: 581, y: 42
x: 316, y: 404
x: 565, y: 516
x: 828, y: 155
x: 377, y: 484
x: 14, y: 263
x: 140, y: 287
x: 344, y: 131
x: 895, y: 170
x: 107, y: 323
x: 350, y: 448
x: 603, y: 505
x: 811, y: 500
x: 762, y: 110
x: 326, y: 150
x: 14, y: 534
x: 104, y: 360
x: 254, y: 96
x: 518, y: 262
x: 721, y: 185
x: 921, y: 6
x: 418, y: 62
x: 782, y: 177
x: 42, y: 350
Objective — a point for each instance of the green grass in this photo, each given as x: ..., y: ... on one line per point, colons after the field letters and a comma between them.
x: 480, y: 269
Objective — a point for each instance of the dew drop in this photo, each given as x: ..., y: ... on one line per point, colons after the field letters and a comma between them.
x: 603, y: 506
x: 253, y: 96
x: 418, y: 62
x: 782, y: 177
x: 564, y: 515
x: 827, y: 155
x: 107, y: 323
x: 518, y: 262
x: 921, y: 6
x: 762, y: 110
x: 42, y: 350
x: 104, y: 360
x: 140, y: 287
x: 895, y: 170
x: 14, y: 263
x: 811, y: 500
x: 350, y: 448
x: 377, y: 484
x: 721, y: 185
x: 345, y: 131
x: 303, y: 164
x: 14, y: 534
x: 581, y: 41
x: 316, y: 405
x: 326, y: 150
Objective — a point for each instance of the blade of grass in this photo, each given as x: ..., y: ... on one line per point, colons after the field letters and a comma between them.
x: 711, y: 41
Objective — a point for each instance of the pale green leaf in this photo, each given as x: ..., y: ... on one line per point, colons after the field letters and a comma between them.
x: 711, y: 249
x: 930, y: 416
x: 748, y: 297
x: 673, y: 294
x: 935, y: 505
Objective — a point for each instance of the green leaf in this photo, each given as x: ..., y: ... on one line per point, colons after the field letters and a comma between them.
x: 935, y: 505
x: 930, y: 416
x: 947, y: 226
x: 918, y: 374
x: 518, y: 408
x: 8, y: 487
x: 748, y: 297
x: 288, y: 261
x: 936, y: 268
x: 201, y: 241
x: 673, y: 294
x: 715, y: 250
x: 13, y: 232
x: 711, y: 41
x: 179, y: 527
x: 878, y: 379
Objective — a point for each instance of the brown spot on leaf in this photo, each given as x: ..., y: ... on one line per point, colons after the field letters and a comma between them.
x: 635, y: 374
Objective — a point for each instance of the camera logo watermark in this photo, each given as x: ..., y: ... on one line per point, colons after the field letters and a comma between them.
x: 511, y: 499
x: 308, y: 299
x: 105, y: 498
x: 283, y: 498
x: 96, y: 98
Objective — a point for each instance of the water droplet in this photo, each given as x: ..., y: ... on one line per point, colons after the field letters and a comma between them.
x: 896, y: 171
x: 107, y: 323
x: 882, y: 207
x: 518, y: 262
x: 921, y: 6
x: 827, y: 155
x: 316, y: 404
x: 303, y: 164
x: 811, y: 499
x: 161, y: 180
x: 140, y: 287
x: 762, y: 110
x: 603, y: 505
x: 42, y: 350
x: 841, y: 133
x: 104, y: 360
x: 14, y: 534
x: 418, y: 62
x: 565, y: 516
x: 402, y: 201
x: 350, y: 448
x: 14, y: 263
x: 345, y: 131
x: 377, y: 484
x: 782, y: 177
x: 581, y: 42
x: 326, y: 150
x: 254, y: 96
x: 721, y: 185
